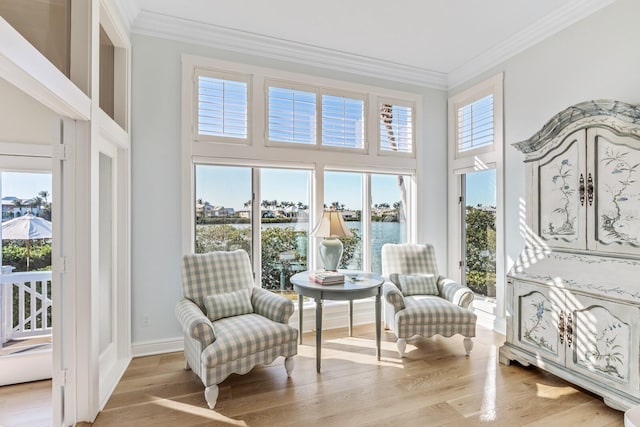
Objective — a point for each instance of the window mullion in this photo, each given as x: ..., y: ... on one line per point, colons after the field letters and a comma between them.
x: 365, y: 223
x: 319, y: 135
x: 256, y: 235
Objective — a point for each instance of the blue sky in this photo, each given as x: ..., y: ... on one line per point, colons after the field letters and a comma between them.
x: 25, y: 185
x: 481, y: 188
x: 230, y: 186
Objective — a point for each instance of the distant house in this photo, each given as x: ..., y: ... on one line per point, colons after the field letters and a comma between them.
x: 10, y: 211
x: 222, y: 212
x: 349, y: 215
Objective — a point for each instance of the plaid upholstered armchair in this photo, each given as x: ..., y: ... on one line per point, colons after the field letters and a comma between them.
x: 230, y: 325
x: 421, y: 302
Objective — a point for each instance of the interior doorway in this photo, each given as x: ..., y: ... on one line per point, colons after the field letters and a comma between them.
x: 26, y: 284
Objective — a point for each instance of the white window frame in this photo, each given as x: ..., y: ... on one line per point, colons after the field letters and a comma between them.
x: 403, y: 103
x: 365, y: 117
x: 261, y: 153
x: 282, y: 84
x: 319, y: 91
x: 477, y: 160
x: 222, y: 75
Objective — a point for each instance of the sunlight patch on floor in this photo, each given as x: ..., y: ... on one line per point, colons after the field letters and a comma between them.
x: 488, y: 408
x: 554, y: 392
x: 195, y: 410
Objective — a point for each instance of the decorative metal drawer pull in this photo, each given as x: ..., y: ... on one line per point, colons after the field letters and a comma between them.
x: 590, y: 189
x: 561, y: 327
x: 569, y: 330
x: 581, y: 190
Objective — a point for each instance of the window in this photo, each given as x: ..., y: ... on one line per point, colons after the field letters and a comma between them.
x: 389, y: 203
x: 474, y: 125
x: 479, y: 231
x: 343, y: 192
x: 223, y: 208
x: 342, y: 122
x: 284, y: 218
x: 222, y: 106
x: 292, y: 115
x: 396, y: 128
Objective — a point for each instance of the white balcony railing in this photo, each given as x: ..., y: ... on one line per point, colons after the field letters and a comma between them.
x: 25, y: 305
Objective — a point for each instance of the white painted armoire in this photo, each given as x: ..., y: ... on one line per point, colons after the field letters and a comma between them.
x: 573, y: 297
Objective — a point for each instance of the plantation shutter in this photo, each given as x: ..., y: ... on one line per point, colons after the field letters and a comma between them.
x: 475, y: 125
x: 342, y: 122
x: 222, y: 107
x: 396, y: 128
x: 292, y: 115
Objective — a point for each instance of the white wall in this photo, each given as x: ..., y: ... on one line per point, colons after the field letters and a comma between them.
x: 597, y: 58
x: 156, y: 179
x: 23, y: 119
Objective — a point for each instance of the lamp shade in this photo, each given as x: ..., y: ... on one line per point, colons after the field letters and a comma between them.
x: 331, y: 225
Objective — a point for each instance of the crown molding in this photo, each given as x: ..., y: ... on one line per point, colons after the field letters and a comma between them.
x: 553, y: 23
x: 193, y: 32
x: 128, y: 11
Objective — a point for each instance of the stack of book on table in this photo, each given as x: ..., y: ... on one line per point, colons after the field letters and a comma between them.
x: 323, y: 277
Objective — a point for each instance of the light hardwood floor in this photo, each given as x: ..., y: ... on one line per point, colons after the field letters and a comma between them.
x: 434, y: 385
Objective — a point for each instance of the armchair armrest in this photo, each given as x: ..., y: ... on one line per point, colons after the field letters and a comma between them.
x: 194, y: 322
x: 455, y: 292
x: 272, y: 306
x: 393, y: 296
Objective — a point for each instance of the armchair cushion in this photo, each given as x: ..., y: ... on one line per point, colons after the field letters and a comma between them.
x: 240, y: 336
x: 228, y: 304
x: 418, y: 284
x: 431, y: 315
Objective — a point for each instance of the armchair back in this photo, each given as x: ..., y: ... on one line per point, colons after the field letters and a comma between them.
x: 408, y: 258
x: 215, y: 273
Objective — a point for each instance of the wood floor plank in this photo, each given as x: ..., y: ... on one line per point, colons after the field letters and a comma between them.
x: 436, y: 384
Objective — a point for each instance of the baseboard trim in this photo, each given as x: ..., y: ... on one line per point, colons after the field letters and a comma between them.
x: 149, y: 348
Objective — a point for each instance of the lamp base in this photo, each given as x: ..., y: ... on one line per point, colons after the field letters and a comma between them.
x: 330, y: 253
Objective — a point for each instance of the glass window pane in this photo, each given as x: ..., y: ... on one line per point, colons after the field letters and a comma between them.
x: 284, y: 226
x: 222, y: 107
x: 26, y: 193
x: 343, y: 192
x: 342, y: 122
x: 396, y: 128
x: 222, y: 208
x: 480, y: 232
x: 292, y: 115
x: 475, y: 124
x: 388, y: 214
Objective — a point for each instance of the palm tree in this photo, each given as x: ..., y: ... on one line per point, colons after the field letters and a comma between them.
x: 45, y: 196
x: 36, y: 202
x: 19, y: 204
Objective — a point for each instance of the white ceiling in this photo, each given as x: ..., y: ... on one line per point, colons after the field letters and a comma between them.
x: 441, y: 36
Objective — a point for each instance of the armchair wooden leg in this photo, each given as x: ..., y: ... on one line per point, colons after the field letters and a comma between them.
x: 402, y: 346
x: 186, y: 365
x: 289, y: 364
x: 468, y: 345
x: 211, y: 395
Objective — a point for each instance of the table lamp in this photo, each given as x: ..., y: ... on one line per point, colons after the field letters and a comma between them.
x: 330, y: 227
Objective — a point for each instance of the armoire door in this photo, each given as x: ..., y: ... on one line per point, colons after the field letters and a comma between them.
x: 537, y: 314
x: 614, y: 181
x: 559, y: 216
